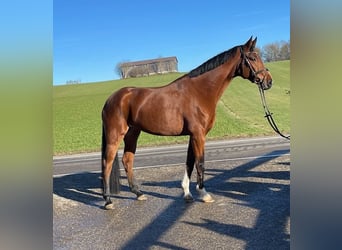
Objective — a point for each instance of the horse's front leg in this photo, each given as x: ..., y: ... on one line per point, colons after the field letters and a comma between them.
x: 190, y: 161
x: 198, y: 146
x: 204, y: 195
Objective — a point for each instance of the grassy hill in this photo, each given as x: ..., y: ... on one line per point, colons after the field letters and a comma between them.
x: 77, y: 110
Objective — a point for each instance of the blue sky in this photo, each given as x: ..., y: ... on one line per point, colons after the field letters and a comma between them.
x: 91, y: 37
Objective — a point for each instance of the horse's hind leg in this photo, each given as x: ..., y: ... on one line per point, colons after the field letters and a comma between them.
x: 110, y: 144
x: 128, y: 159
x: 107, y: 164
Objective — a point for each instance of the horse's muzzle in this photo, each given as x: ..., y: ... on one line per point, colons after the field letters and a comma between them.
x: 266, y: 81
x: 265, y: 85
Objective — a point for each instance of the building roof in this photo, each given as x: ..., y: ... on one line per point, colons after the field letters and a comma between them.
x: 162, y: 59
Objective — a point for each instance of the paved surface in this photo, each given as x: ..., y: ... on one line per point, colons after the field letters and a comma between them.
x: 249, y: 180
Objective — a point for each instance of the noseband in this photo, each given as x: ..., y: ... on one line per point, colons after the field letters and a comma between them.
x: 254, y: 73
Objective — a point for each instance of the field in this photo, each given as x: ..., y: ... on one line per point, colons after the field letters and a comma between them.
x: 77, y: 110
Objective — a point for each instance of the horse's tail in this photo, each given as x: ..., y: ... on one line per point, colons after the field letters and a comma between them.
x: 114, y: 182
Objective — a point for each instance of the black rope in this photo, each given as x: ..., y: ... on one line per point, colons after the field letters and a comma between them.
x: 268, y: 114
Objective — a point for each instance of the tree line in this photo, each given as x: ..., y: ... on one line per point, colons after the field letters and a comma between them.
x: 276, y: 51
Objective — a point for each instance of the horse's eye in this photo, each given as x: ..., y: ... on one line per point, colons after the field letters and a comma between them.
x: 252, y: 59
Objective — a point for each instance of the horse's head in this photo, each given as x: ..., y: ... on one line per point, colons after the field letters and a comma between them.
x: 252, y: 67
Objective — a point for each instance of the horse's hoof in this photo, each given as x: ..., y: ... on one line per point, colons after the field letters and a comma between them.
x: 142, y: 197
x: 109, y: 206
x: 188, y: 198
x: 207, y: 198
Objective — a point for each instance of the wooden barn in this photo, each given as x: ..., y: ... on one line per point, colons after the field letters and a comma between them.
x: 149, y: 67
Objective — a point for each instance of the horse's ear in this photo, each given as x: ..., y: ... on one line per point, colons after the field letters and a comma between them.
x: 253, y: 44
x: 248, y: 44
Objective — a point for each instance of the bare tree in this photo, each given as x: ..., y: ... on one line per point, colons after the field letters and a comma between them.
x: 270, y: 52
x: 118, y: 69
x: 284, y: 51
x: 276, y: 51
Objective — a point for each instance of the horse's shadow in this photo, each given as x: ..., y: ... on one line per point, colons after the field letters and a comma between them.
x: 86, y: 188
x: 80, y: 187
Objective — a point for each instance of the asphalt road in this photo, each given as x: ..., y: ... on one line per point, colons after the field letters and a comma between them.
x: 248, y: 178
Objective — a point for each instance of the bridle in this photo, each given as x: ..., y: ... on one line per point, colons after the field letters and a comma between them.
x: 268, y: 114
x: 253, y: 73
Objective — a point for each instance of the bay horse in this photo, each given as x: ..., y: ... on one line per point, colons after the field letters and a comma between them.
x: 185, y: 106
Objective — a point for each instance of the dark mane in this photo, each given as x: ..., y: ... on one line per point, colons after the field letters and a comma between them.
x: 213, y: 62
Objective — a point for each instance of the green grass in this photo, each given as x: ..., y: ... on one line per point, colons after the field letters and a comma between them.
x: 77, y: 110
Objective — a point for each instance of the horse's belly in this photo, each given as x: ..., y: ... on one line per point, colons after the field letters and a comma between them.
x: 165, y: 123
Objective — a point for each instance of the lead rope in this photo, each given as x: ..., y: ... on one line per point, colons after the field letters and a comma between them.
x: 268, y: 114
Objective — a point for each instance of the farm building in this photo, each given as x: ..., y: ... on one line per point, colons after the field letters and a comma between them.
x: 149, y: 67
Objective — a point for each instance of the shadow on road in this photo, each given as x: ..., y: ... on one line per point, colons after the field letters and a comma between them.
x: 79, y: 187
x: 272, y: 200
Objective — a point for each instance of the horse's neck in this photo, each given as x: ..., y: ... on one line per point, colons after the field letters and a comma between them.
x: 213, y: 83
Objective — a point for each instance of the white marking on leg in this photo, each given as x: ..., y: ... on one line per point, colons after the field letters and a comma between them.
x: 186, y: 187
x: 204, y: 196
